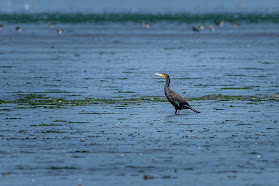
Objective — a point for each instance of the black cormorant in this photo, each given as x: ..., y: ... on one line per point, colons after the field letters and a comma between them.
x: 175, y: 99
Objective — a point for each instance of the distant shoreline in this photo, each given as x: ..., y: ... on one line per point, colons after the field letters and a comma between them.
x: 185, y: 17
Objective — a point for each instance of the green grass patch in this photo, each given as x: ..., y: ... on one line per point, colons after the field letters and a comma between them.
x: 235, y: 75
x: 252, y: 68
x: 244, y: 124
x: 51, y: 131
x: 235, y: 88
x: 186, y: 78
x: 94, y: 113
x: 82, y: 151
x: 126, y: 92
x: 127, y: 72
x: 34, y: 101
x: 54, y: 92
x: 78, y: 122
x: 46, y: 125
x: 59, y: 120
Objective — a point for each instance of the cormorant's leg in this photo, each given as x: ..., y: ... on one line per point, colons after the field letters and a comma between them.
x: 175, y: 111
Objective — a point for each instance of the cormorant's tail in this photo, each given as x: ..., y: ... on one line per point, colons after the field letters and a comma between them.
x: 194, y: 110
x: 189, y: 107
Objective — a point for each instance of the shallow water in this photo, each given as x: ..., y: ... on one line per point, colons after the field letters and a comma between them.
x: 105, y: 144
x: 229, y: 142
x: 105, y: 60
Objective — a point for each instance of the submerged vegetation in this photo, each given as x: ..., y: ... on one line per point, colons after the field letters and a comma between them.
x: 37, y: 100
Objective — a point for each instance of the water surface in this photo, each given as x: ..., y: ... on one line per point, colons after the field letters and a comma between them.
x: 140, y: 140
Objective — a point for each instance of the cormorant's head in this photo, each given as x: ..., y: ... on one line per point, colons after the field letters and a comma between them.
x: 163, y: 75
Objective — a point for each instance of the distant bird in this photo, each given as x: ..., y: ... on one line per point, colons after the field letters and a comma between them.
x: 175, y: 99
x: 201, y: 26
x: 60, y: 30
x: 1, y: 26
x: 18, y: 29
x: 221, y: 23
x: 51, y: 24
x: 211, y: 27
x: 195, y: 29
x: 145, y: 24
x: 235, y: 24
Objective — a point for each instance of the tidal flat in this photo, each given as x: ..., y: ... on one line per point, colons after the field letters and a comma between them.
x: 85, y: 106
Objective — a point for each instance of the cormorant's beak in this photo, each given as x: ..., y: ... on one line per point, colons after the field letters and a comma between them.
x: 160, y: 75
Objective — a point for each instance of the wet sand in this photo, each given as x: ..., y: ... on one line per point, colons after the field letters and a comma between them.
x: 129, y: 133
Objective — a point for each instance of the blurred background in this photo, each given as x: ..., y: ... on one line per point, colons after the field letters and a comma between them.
x: 139, y: 6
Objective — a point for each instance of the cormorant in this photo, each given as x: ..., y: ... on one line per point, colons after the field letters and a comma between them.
x: 175, y: 99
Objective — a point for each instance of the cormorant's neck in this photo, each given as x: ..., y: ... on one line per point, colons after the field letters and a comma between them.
x: 167, y: 82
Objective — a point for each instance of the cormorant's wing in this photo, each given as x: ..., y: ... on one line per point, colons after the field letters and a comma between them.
x: 178, y: 98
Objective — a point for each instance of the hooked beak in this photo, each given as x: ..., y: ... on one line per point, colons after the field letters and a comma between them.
x: 160, y: 74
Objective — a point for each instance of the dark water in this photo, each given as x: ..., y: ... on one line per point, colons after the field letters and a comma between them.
x: 229, y: 143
